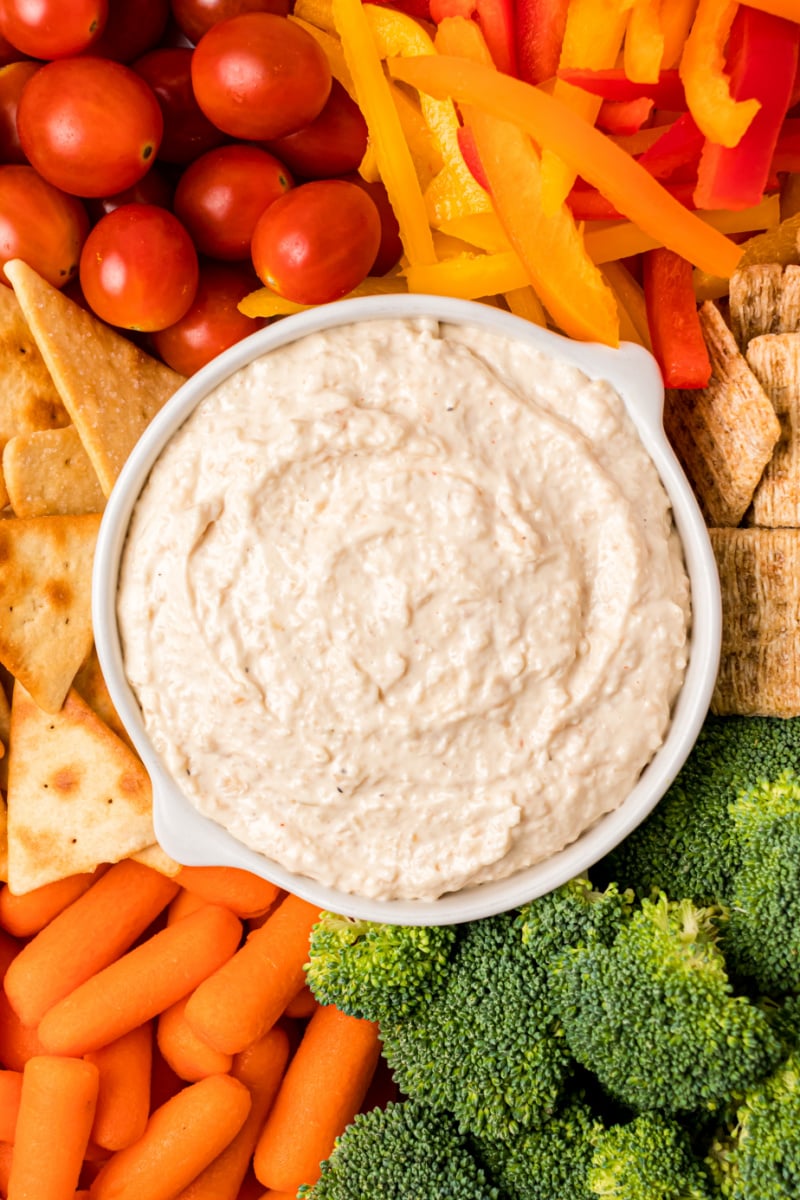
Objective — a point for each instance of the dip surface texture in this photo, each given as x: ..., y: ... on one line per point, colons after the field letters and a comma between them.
x: 404, y: 608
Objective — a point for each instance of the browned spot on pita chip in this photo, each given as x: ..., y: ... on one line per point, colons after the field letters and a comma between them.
x: 45, y: 601
x: 48, y: 473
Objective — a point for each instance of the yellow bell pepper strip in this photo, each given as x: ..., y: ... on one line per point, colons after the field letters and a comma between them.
x: 550, y: 247
x: 644, y: 41
x: 595, y: 157
x: 479, y: 229
x: 592, y: 38
x: 316, y: 12
x: 495, y: 20
x: 627, y: 330
x: 468, y: 276
x: 630, y: 295
x: 266, y: 303
x: 419, y: 139
x: 721, y: 118
x: 386, y: 134
x: 676, y: 21
x: 523, y: 302
x: 332, y: 49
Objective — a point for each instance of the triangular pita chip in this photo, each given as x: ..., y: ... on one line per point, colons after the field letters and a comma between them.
x: 77, y: 796
x: 91, y: 687
x: 157, y: 859
x: 45, y: 601
x: 3, y: 840
x: 48, y: 472
x: 5, y: 719
x: 110, y: 388
x: 28, y: 396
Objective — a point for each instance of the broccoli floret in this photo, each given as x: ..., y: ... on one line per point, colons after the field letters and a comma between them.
x: 551, y: 1162
x: 654, y: 1017
x: 486, y: 1046
x: 649, y: 1159
x: 573, y: 915
x: 372, y: 970
x: 762, y: 941
x: 686, y: 848
x: 403, y: 1152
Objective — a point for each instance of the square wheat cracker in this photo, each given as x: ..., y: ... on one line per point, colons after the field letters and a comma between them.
x: 775, y: 361
x: 764, y: 298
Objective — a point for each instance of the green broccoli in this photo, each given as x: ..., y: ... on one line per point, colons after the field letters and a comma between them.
x: 486, y: 1046
x: 650, y: 1158
x: 654, y: 1017
x: 551, y: 1162
x: 572, y: 915
x: 403, y: 1152
x: 372, y: 970
x: 685, y: 848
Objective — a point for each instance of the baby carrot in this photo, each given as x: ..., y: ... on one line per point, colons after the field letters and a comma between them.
x: 260, y: 1068
x: 164, y: 1083
x: 142, y: 984
x: 189, y: 1056
x: 18, y: 1042
x: 302, y: 1005
x: 56, y: 1111
x: 25, y: 915
x: 123, y: 1099
x: 242, y: 1000
x: 6, y: 1155
x: 10, y: 1088
x: 321, y: 1093
x: 183, y: 904
x: 181, y: 1139
x: 87, y: 936
x: 243, y: 893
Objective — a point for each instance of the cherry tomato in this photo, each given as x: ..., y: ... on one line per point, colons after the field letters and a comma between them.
x: 332, y: 144
x: 187, y: 130
x: 195, y: 17
x: 260, y: 76
x: 8, y: 53
x: 132, y: 27
x: 39, y: 224
x: 139, y: 268
x: 390, y: 250
x: 90, y: 126
x: 221, y: 196
x: 50, y: 28
x: 152, y: 188
x: 317, y: 242
x: 213, y: 323
x: 12, y: 80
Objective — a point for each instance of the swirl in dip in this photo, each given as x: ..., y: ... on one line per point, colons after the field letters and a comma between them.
x: 404, y: 607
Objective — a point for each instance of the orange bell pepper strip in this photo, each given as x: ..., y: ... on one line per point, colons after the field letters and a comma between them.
x: 550, y: 247
x: 721, y: 118
x: 676, y: 21
x: 644, y: 41
x: 469, y: 276
x: 393, y: 157
x: 595, y: 157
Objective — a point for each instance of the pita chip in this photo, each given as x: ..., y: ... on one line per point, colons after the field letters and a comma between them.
x: 48, y: 473
x: 5, y: 722
x: 91, y: 687
x: 110, y: 388
x: 45, y: 601
x: 28, y: 397
x: 3, y: 840
x: 77, y: 796
x: 158, y: 860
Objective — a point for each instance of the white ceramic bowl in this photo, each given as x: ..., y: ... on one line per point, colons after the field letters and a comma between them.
x: 194, y: 839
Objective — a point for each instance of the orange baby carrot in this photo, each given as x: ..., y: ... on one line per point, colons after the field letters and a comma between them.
x: 142, y: 984
x: 321, y: 1093
x: 189, y: 1056
x: 6, y: 1155
x: 242, y: 892
x: 18, y: 1042
x: 123, y: 1099
x: 25, y: 915
x: 302, y: 1005
x: 241, y: 1001
x: 181, y: 1139
x: 164, y: 1083
x: 183, y: 904
x: 84, y: 938
x: 56, y: 1111
x: 260, y: 1068
x: 10, y: 1088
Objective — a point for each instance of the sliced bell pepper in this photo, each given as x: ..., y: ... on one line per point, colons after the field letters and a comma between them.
x: 677, y: 150
x: 316, y: 12
x: 787, y: 150
x: 540, y: 34
x: 332, y: 49
x: 587, y: 204
x: 722, y: 118
x: 624, y: 116
x: 790, y: 9
x: 266, y: 303
x: 676, y: 21
x: 762, y: 60
x: 589, y: 153
x: 630, y: 300
x: 777, y: 244
x: 419, y: 9
x: 469, y: 152
x: 666, y: 91
x: 643, y: 52
x: 479, y: 229
x: 469, y: 276
x: 678, y: 342
x: 495, y: 20
x: 523, y: 302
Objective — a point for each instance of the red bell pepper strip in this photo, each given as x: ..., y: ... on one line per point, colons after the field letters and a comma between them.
x: 762, y: 62
x: 614, y: 84
x: 677, y: 150
x: 495, y: 20
x: 623, y: 117
x: 787, y: 151
x: 678, y: 343
x: 420, y: 9
x: 472, y: 159
x: 587, y: 204
x: 540, y: 32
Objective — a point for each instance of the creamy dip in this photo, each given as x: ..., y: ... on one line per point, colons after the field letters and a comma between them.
x: 404, y: 607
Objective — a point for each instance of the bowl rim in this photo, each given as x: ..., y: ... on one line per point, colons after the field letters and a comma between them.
x: 193, y: 839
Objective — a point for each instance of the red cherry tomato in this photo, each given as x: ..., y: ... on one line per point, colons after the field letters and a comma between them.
x: 40, y: 224
x: 221, y: 196
x: 195, y: 17
x: 317, y: 242
x: 332, y: 144
x: 260, y: 76
x: 8, y: 53
x: 390, y: 250
x: 132, y: 27
x: 90, y: 126
x: 12, y: 80
x: 50, y: 28
x: 152, y: 188
x: 213, y: 323
x: 139, y: 268
x: 187, y: 130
